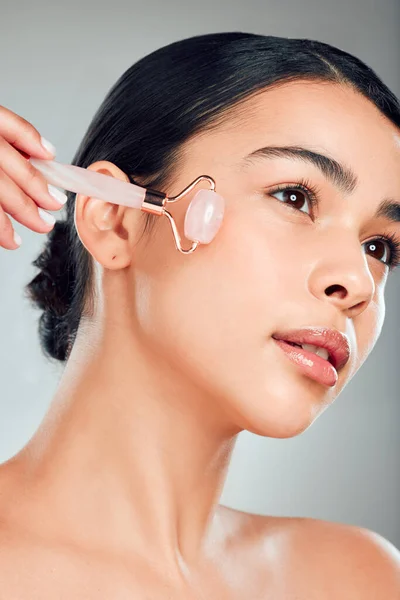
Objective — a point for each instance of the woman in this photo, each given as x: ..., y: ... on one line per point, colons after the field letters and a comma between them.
x: 169, y: 356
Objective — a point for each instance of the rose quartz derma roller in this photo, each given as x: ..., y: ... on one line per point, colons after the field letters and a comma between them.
x: 203, y: 217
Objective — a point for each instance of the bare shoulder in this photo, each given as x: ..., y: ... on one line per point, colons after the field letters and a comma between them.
x: 328, y: 559
x: 360, y: 556
x: 345, y: 557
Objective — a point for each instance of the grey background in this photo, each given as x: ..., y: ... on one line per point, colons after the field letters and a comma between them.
x: 57, y: 61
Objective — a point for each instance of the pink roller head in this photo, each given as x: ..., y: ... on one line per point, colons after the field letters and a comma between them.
x: 204, y: 216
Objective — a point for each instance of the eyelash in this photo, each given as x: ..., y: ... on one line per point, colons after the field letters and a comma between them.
x: 313, y: 194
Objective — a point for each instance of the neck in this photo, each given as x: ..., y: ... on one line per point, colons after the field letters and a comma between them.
x: 130, y: 457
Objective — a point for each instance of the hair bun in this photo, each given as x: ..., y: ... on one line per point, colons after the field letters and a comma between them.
x: 51, y: 290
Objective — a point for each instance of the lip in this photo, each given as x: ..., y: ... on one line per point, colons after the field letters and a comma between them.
x: 335, y: 342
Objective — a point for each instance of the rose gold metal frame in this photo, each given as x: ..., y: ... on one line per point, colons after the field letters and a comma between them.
x: 154, y: 202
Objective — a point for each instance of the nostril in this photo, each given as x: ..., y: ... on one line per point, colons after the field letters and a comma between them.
x: 334, y: 289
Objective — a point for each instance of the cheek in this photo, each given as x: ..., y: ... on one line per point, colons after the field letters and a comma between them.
x: 211, y: 312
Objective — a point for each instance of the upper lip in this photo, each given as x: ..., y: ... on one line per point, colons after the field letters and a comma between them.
x: 335, y: 342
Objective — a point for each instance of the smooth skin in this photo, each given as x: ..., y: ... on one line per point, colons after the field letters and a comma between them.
x: 116, y: 495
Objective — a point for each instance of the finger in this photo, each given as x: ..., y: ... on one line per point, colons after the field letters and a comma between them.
x: 18, y: 132
x: 21, y: 207
x: 29, y: 179
x: 7, y: 232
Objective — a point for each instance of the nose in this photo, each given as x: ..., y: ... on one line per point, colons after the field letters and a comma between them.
x: 342, y: 275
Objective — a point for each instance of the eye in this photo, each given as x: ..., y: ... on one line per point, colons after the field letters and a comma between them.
x: 391, y: 257
x: 297, y: 195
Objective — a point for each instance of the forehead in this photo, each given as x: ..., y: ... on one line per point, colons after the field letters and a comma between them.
x: 328, y: 117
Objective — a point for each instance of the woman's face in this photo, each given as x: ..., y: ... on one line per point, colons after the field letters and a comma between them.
x: 273, y: 266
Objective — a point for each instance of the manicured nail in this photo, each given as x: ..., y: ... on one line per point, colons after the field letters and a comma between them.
x: 48, y: 146
x: 17, y: 238
x: 46, y: 217
x: 57, y: 194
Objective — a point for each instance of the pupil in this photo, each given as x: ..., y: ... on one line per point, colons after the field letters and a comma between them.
x: 375, y: 249
x: 295, y: 198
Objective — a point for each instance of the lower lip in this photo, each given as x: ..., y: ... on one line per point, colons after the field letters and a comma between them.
x: 310, y: 364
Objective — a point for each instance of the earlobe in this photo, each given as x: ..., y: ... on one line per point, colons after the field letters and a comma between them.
x: 102, y: 226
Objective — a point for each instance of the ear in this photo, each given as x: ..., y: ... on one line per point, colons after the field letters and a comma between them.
x: 108, y: 231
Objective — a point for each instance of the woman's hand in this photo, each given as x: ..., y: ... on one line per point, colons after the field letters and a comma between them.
x: 24, y: 192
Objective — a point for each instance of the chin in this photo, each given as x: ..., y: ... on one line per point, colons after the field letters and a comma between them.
x: 285, y: 428
x: 284, y: 410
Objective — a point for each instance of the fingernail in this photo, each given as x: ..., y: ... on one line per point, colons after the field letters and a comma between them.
x: 17, y: 238
x: 57, y: 194
x: 46, y: 217
x: 48, y: 146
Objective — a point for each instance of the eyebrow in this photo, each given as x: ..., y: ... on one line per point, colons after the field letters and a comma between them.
x: 343, y: 178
